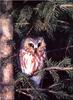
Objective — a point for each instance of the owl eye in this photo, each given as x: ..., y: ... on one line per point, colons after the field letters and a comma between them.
x: 39, y: 44
x: 31, y: 45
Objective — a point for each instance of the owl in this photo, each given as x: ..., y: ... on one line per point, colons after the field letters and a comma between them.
x: 32, y: 56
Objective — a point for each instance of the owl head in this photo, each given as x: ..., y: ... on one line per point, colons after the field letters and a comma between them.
x: 34, y: 45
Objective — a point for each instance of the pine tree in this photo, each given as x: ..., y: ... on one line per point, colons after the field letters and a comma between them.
x: 53, y: 19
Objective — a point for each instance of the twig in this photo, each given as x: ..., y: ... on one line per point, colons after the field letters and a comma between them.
x: 29, y: 31
x: 59, y: 68
x: 61, y: 93
x: 27, y: 80
x: 29, y: 95
x: 63, y: 22
x: 66, y: 5
x: 30, y: 89
x: 58, y: 84
x: 40, y: 89
x: 55, y: 68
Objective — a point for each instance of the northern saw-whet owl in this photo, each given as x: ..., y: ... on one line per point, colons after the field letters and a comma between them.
x: 32, y: 56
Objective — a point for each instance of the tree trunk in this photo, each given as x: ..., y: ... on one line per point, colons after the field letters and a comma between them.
x: 6, y: 66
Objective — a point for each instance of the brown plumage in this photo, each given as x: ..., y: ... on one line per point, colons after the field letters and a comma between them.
x: 32, y: 55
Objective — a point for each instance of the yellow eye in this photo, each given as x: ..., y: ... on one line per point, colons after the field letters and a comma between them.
x: 31, y: 45
x: 39, y: 44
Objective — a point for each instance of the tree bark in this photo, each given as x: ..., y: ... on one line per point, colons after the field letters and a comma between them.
x: 6, y: 66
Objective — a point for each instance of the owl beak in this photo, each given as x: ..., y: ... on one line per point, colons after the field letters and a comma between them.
x: 35, y: 50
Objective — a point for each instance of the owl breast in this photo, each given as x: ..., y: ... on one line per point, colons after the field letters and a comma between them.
x: 30, y: 63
